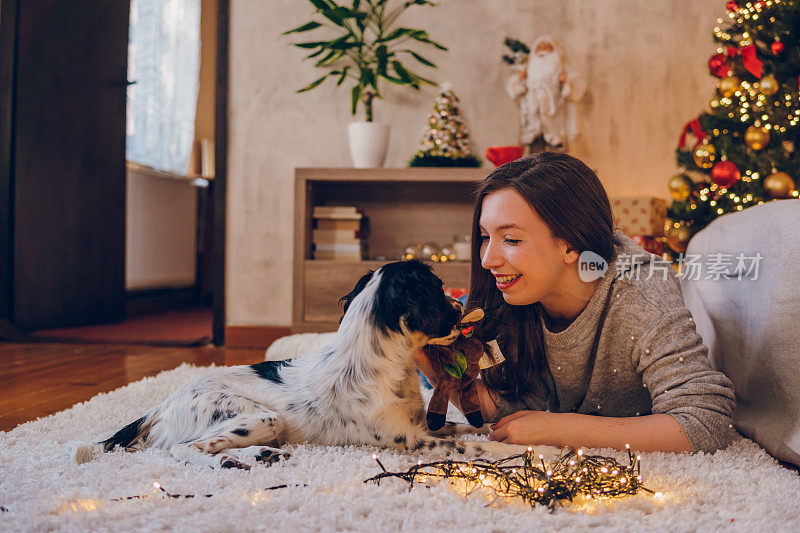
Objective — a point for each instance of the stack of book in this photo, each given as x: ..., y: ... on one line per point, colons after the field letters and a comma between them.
x: 337, y: 234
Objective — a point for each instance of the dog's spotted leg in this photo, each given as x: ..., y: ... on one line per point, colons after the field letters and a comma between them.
x: 260, y: 454
x: 245, y: 430
x: 191, y: 454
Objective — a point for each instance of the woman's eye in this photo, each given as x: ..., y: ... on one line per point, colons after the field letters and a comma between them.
x: 512, y: 242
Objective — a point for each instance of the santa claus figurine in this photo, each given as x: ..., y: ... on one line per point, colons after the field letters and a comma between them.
x: 548, y: 91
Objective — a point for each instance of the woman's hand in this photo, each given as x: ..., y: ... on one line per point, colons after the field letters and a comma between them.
x: 526, y: 427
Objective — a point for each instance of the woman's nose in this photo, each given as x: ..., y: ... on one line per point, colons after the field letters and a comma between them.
x: 489, y: 256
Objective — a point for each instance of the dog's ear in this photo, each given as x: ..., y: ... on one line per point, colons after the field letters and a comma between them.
x: 348, y: 298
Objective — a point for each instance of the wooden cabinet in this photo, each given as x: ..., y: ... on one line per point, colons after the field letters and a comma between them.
x: 401, y: 207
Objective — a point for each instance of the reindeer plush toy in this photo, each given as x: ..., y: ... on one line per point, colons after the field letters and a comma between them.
x: 455, y: 360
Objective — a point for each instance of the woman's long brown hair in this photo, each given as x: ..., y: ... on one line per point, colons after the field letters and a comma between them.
x: 568, y: 196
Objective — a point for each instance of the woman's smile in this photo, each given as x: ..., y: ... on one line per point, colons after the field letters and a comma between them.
x: 505, y: 282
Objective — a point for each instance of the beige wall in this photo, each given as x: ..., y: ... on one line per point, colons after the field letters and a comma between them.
x: 644, y: 60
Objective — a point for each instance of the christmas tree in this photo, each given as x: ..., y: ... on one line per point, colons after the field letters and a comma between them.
x: 745, y: 151
x: 445, y: 142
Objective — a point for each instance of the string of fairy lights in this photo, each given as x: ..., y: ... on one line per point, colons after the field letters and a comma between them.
x: 524, y: 477
x: 534, y: 482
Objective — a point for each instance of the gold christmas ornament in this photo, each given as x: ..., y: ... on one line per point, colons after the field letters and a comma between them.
x: 779, y: 185
x: 680, y: 187
x: 729, y: 85
x: 788, y: 147
x: 704, y: 155
x: 768, y: 85
x: 678, y: 235
x: 756, y: 137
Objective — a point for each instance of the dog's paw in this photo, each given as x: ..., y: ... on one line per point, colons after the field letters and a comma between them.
x: 228, y: 461
x: 269, y: 455
x: 214, y: 445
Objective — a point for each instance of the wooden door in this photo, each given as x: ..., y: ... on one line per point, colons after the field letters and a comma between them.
x: 68, y: 162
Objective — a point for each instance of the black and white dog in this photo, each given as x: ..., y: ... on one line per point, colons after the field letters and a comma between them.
x: 361, y: 389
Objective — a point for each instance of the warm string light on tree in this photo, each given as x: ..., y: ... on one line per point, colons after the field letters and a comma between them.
x: 745, y: 151
x: 533, y: 480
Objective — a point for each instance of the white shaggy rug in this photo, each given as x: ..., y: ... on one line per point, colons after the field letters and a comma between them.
x: 741, y: 488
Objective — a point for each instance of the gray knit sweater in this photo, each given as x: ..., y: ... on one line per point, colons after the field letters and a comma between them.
x: 650, y: 358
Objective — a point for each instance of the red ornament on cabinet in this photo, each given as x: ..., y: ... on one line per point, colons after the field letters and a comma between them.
x: 777, y: 48
x: 725, y: 174
x: 732, y: 6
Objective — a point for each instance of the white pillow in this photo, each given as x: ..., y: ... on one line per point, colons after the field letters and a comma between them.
x: 750, y: 325
x: 293, y: 345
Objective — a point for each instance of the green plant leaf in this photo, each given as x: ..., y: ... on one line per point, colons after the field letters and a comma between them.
x: 382, y: 56
x: 313, y: 83
x: 312, y: 44
x: 343, y: 75
x: 322, y: 4
x: 420, y: 58
x: 330, y: 58
x: 420, y: 79
x: 368, y: 78
x: 343, y: 43
x: 392, y: 79
x: 422, y: 36
x: 339, y: 14
x: 318, y: 52
x: 356, y: 96
x: 396, y: 34
x: 305, y: 27
x: 402, y: 72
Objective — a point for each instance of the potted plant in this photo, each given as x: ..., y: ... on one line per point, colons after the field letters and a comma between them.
x: 365, y: 46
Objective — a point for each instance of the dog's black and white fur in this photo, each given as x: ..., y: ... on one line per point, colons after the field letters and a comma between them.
x: 361, y: 389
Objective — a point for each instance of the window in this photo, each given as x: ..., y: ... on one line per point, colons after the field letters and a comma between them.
x: 164, y: 64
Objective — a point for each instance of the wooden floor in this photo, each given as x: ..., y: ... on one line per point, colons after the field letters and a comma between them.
x: 41, y: 379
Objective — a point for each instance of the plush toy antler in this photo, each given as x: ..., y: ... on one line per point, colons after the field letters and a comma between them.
x: 455, y: 363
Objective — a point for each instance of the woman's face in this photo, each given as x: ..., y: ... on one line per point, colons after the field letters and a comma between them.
x: 519, y: 250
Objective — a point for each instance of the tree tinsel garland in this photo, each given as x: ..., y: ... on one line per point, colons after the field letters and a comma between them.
x: 534, y: 482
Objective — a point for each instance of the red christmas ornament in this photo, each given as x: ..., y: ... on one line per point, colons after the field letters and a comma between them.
x: 725, y: 174
x: 732, y: 6
x: 731, y: 51
x: 718, y: 65
x: 777, y: 48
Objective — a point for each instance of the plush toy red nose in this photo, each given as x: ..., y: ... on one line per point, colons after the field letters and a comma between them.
x: 467, y: 331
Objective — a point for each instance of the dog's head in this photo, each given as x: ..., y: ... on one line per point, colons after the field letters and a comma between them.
x: 406, y: 293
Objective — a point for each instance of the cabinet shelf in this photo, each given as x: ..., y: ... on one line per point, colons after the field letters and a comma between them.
x: 401, y: 206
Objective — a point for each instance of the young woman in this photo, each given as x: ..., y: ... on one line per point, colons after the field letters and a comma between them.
x: 591, y: 359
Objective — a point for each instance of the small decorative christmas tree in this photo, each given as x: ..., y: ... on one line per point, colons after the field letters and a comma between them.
x: 744, y: 153
x: 445, y: 142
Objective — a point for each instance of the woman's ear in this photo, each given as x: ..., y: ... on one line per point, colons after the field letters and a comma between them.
x: 568, y: 252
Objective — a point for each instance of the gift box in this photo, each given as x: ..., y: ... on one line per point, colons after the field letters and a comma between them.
x: 643, y: 215
x: 651, y: 245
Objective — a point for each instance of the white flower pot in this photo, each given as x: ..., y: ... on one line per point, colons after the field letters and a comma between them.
x: 368, y: 144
